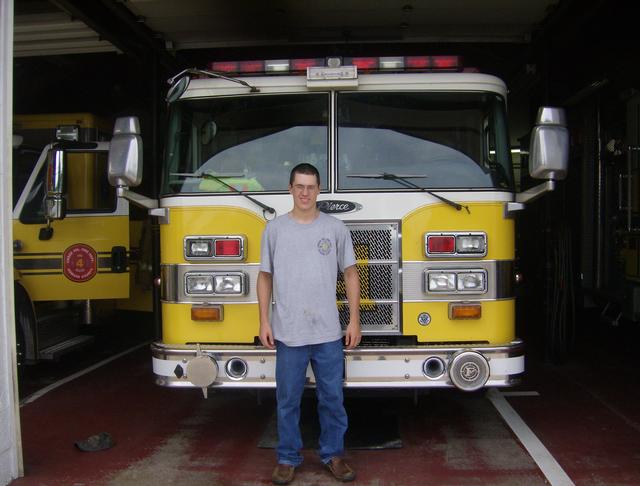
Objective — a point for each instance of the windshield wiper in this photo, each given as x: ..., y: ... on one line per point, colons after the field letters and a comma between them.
x: 219, y: 178
x: 403, y: 180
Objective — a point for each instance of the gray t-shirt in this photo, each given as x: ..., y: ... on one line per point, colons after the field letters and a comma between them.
x: 304, y: 260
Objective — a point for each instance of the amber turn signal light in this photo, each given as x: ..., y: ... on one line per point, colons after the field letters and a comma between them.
x: 465, y: 311
x: 206, y: 313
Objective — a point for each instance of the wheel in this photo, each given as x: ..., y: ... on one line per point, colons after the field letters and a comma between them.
x: 25, y: 325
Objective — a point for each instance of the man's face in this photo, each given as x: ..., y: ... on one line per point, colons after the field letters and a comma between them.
x: 305, y: 190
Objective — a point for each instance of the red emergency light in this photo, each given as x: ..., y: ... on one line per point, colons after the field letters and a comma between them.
x: 228, y: 247
x: 445, y: 62
x: 363, y: 63
x: 418, y: 62
x: 303, y: 64
x: 251, y: 66
x: 225, y: 66
x: 441, y: 244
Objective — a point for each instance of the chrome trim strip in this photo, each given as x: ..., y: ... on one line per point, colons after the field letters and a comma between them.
x: 364, y: 367
x: 505, y: 279
x: 169, y: 283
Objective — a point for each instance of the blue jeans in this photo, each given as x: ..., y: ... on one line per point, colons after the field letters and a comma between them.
x: 327, y: 362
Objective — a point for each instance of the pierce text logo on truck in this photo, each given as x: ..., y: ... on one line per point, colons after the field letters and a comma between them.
x: 338, y: 206
x: 79, y: 263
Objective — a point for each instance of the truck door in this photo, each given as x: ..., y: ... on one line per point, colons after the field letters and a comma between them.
x: 84, y: 255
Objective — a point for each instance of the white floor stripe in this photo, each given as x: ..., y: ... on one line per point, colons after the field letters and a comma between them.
x: 520, y: 394
x: 34, y: 396
x: 536, y: 449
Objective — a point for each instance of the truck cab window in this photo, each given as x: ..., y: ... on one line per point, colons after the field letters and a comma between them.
x: 453, y: 140
x: 251, y: 141
x: 87, y: 188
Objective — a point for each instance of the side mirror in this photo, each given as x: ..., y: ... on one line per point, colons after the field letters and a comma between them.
x: 177, y: 87
x: 549, y: 146
x: 125, y: 153
x: 55, y: 203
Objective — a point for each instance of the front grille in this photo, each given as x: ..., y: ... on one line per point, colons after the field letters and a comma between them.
x: 375, y: 317
x: 376, y: 246
x: 376, y: 281
x: 374, y: 243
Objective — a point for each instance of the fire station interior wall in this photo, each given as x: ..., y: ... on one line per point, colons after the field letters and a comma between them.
x: 10, y: 450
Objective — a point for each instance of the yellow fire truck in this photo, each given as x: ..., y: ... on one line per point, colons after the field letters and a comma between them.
x: 71, y: 233
x: 413, y: 155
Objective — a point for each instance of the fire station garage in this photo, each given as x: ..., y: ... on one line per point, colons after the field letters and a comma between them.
x: 484, y: 157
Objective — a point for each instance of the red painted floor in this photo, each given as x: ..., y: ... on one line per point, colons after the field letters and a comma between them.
x: 171, y: 436
x: 588, y: 414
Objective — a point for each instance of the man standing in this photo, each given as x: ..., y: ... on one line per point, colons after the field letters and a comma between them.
x: 300, y: 256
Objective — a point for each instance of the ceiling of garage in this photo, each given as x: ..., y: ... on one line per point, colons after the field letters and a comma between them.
x: 74, y: 26
x: 559, y: 46
x: 192, y: 24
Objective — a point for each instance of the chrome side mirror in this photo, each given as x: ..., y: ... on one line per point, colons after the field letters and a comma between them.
x: 177, y: 87
x: 125, y: 153
x: 549, y: 146
x: 55, y: 203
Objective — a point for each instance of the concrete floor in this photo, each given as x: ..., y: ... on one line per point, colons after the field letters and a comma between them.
x: 585, y: 412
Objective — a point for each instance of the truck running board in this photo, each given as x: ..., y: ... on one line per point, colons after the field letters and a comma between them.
x: 57, y: 350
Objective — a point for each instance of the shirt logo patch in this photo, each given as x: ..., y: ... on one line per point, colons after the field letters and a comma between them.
x: 324, y: 246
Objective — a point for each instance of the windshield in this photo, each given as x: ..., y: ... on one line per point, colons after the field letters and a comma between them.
x: 445, y: 140
x: 250, y: 142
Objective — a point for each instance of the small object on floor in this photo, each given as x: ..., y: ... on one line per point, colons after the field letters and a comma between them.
x: 98, y: 442
x: 283, y: 474
x: 340, y: 469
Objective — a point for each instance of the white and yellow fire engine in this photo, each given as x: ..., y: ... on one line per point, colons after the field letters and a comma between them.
x: 414, y: 157
x: 71, y: 234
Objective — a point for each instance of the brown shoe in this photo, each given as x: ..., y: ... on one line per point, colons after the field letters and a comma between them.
x: 340, y: 469
x: 283, y: 474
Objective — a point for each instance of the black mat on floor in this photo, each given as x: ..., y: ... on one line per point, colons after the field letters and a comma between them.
x: 369, y: 427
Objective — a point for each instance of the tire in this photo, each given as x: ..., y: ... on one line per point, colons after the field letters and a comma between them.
x: 25, y: 324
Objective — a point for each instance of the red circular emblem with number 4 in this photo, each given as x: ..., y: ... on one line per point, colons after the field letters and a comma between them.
x: 79, y: 263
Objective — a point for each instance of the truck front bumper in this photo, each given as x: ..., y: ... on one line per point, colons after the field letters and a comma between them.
x: 465, y: 367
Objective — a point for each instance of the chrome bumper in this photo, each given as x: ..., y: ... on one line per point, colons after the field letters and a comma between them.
x: 468, y: 368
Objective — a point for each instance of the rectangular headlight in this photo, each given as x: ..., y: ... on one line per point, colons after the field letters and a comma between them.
x: 199, y: 284
x: 472, y: 282
x: 228, y: 284
x: 441, y: 282
x: 473, y: 243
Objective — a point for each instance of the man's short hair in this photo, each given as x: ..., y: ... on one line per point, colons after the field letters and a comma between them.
x: 304, y: 169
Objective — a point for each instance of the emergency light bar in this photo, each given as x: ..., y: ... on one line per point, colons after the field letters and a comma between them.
x: 380, y: 64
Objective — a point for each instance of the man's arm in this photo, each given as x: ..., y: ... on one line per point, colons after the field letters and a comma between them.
x: 265, y: 289
x: 352, y: 284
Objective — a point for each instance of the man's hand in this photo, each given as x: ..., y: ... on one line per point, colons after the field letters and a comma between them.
x: 264, y: 289
x: 352, y: 283
x: 266, y: 336
x: 353, y: 335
